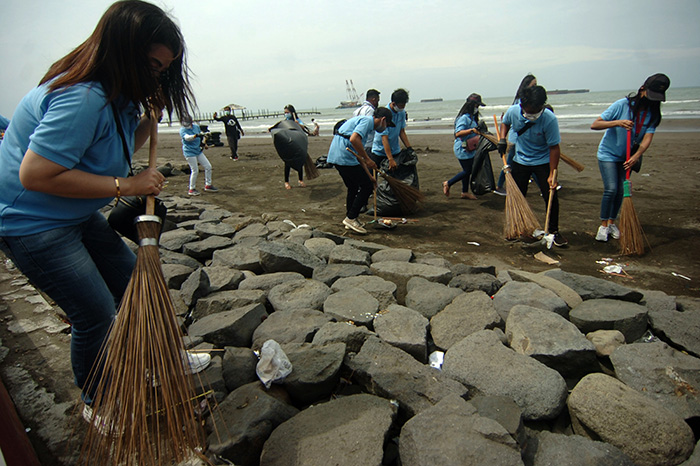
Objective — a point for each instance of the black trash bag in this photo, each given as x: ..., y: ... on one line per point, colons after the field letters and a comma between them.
x: 406, y: 171
x: 482, y: 172
x: 322, y: 162
x: 291, y: 143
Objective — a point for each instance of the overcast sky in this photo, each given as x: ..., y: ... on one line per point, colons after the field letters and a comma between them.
x: 265, y: 54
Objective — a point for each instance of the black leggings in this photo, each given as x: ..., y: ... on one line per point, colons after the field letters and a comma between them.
x: 359, y: 186
x: 287, y: 171
x: 521, y: 175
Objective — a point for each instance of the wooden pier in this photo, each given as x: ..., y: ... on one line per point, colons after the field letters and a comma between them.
x: 208, y: 117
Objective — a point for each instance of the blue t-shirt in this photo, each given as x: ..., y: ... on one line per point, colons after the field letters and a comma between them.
x: 4, y: 123
x: 73, y: 127
x: 532, y: 146
x: 613, y: 146
x: 338, y: 153
x: 465, y: 121
x: 399, y: 119
x: 191, y: 148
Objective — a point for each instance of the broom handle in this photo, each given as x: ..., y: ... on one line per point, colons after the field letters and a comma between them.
x: 152, y: 144
x: 629, y: 149
x: 375, y: 198
x: 564, y: 158
x: 498, y: 133
x: 549, y: 202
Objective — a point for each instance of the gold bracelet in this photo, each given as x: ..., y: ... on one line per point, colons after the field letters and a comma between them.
x: 119, y: 191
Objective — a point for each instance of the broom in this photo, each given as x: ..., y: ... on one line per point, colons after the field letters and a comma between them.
x: 631, y: 233
x: 143, y: 410
x: 564, y: 158
x: 407, y: 196
x: 520, y: 220
x: 310, y: 169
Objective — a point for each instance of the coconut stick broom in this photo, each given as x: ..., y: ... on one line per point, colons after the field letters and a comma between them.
x: 310, y: 168
x: 564, y: 158
x: 144, y: 410
x: 631, y: 233
x: 520, y: 220
x: 407, y: 196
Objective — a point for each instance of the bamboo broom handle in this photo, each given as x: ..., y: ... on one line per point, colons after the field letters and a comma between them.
x: 549, y: 203
x: 498, y: 133
x: 152, y: 144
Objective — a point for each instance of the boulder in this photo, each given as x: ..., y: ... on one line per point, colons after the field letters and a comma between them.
x: 238, y: 367
x: 383, y: 291
x: 342, y: 332
x: 610, y: 314
x: 428, y: 297
x: 239, y: 257
x: 476, y: 282
x: 321, y: 247
x: 328, y: 274
x: 227, y: 300
x: 316, y: 371
x: 354, y: 305
x: 528, y: 294
x: 404, y: 328
x: 468, y: 313
x: 345, y: 254
x: 279, y: 256
x: 298, y: 294
x: 401, y: 272
x: 575, y: 450
x: 295, y: 326
x: 393, y: 254
x: 229, y: 328
x: 594, y: 288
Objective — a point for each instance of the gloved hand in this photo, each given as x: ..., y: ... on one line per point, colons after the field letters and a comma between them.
x: 410, y: 151
x: 502, y: 146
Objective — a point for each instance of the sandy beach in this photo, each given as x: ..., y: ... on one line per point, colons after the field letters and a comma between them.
x: 666, y: 197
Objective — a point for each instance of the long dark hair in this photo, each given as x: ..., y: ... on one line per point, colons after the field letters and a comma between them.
x: 469, y: 107
x: 293, y: 111
x: 116, y: 56
x: 524, y: 84
x: 638, y: 103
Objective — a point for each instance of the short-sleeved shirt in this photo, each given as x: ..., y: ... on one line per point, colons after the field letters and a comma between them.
x: 338, y: 153
x: 191, y: 148
x: 4, y: 122
x: 399, y: 119
x: 73, y: 127
x: 613, y: 146
x: 532, y: 146
x: 463, y: 122
x: 367, y: 109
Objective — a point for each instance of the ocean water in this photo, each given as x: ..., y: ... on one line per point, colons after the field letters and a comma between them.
x: 575, y: 113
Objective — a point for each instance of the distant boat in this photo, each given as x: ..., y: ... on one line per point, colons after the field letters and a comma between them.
x: 439, y: 99
x: 353, y: 99
x: 567, y: 91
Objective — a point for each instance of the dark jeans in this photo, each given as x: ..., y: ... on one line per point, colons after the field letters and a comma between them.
x: 521, y: 175
x: 359, y: 186
x: 84, y: 268
x: 464, y: 175
x: 233, y: 145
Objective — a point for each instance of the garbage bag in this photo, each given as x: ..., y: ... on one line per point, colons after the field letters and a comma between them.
x: 291, y: 143
x: 482, y: 172
x: 406, y: 171
x: 273, y: 365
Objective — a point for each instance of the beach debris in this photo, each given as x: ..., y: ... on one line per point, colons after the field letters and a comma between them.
x: 473, y: 243
x: 289, y: 222
x: 613, y: 269
x: 648, y: 337
x: 542, y: 257
x: 274, y: 365
x: 680, y: 276
x: 436, y: 359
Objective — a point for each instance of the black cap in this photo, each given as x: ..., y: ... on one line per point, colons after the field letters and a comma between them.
x: 372, y: 93
x: 383, y: 112
x: 656, y: 86
x: 476, y: 98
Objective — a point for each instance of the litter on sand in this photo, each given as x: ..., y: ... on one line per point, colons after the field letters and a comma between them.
x: 680, y: 276
x: 473, y: 243
x: 542, y: 257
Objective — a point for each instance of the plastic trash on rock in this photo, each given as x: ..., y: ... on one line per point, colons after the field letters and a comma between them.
x: 436, y: 358
x: 273, y: 365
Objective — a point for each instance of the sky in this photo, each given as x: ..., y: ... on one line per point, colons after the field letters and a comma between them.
x: 266, y: 54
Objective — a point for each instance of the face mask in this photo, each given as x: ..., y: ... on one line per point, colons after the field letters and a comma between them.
x: 533, y: 116
x: 396, y: 108
x: 287, y: 116
x: 380, y: 129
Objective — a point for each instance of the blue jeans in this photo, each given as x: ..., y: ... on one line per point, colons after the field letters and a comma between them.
x: 464, y: 175
x: 613, y: 176
x: 84, y: 268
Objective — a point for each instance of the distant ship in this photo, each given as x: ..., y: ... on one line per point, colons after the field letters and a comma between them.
x: 567, y: 91
x: 439, y: 99
x: 353, y: 99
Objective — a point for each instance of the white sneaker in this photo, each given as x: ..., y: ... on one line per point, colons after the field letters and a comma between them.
x: 602, y: 234
x: 354, y: 225
x: 197, y: 362
x: 614, y: 231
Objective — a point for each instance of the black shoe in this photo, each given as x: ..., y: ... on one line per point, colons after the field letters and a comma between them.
x: 559, y: 240
x: 363, y: 209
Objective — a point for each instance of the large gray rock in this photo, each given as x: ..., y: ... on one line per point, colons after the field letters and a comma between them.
x: 538, y: 390
x: 603, y: 408
x: 404, y: 328
x: 453, y: 433
x: 428, y: 297
x: 551, y: 339
x: 677, y: 327
x: 229, y: 328
x: 255, y: 230
x: 502, y: 410
x: 207, y: 229
x: 574, y: 450
x: 662, y: 373
x: 238, y: 367
x: 285, y: 256
x: 347, y: 431
x: 176, y: 274
x: 610, y: 314
x: 348, y: 255
x: 571, y: 298
x: 354, y: 305
x: 430, y: 258
x: 321, y: 247
x: 174, y: 240
x: 606, y: 341
x: 366, y: 246
x: 342, y: 332
x: 528, y: 294
x: 298, y: 294
x: 392, y: 373
x: 239, y: 257
x: 468, y: 313
x: 250, y: 415
x: 194, y: 287
x: 172, y: 257
x: 401, y: 272
x: 222, y: 278
x: 295, y: 326
x: 393, y: 254
x: 328, y: 274
x: 476, y: 282
x: 383, y: 291
x: 316, y: 371
x: 226, y: 300
x: 268, y: 281
x: 204, y: 249
x: 594, y: 288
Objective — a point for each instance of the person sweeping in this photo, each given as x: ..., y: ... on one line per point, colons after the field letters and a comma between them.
x: 639, y: 114
x: 536, y: 149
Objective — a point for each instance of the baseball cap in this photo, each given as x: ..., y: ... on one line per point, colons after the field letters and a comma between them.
x: 656, y: 86
x: 476, y: 98
x: 384, y: 112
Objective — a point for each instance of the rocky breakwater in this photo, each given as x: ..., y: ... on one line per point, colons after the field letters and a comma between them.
x: 545, y: 368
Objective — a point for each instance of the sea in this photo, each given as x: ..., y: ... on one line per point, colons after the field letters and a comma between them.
x: 575, y: 113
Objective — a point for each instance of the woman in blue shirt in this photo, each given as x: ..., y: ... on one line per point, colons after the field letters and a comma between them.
x: 465, y: 132
x: 63, y: 159
x: 640, y: 114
